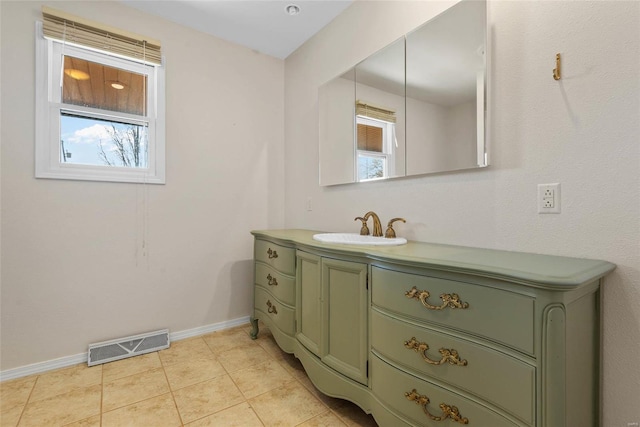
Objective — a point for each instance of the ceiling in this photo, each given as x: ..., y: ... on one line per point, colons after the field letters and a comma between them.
x: 100, y: 86
x: 262, y: 25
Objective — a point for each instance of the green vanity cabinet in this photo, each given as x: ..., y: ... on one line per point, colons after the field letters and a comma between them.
x: 427, y: 343
x: 309, y: 301
x: 332, y: 293
x: 428, y: 335
x: 274, y: 291
x: 344, y: 315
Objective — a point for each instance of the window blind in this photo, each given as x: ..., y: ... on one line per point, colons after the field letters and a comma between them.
x: 375, y: 112
x: 72, y: 29
x: 369, y: 138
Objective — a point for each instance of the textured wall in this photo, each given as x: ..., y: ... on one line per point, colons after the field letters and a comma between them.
x: 74, y: 269
x: 582, y: 131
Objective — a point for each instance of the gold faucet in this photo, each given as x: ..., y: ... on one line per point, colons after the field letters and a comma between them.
x: 377, y: 227
x: 391, y: 233
x: 364, y: 231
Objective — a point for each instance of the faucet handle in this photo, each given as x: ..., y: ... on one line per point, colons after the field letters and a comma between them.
x: 391, y: 233
x: 364, y: 231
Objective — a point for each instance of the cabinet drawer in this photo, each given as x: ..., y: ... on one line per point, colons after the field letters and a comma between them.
x: 501, y: 379
x: 279, y: 257
x: 402, y: 391
x: 499, y: 315
x: 281, y: 286
x: 282, y: 315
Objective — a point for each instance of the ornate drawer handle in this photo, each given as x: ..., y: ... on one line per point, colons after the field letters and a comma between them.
x: 448, y: 300
x: 448, y: 355
x: 272, y: 280
x: 272, y: 253
x: 448, y: 411
x: 272, y: 308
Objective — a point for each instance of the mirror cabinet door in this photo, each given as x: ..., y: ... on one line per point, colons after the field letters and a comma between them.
x: 336, y: 104
x: 415, y: 107
x: 445, y: 85
x: 380, y: 114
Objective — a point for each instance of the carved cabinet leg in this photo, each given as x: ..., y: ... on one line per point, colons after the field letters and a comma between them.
x: 254, y: 328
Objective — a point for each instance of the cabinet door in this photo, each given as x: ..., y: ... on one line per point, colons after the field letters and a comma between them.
x: 344, y: 296
x: 308, y: 308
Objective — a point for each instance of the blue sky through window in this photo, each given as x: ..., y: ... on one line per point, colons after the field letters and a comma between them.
x: 93, y: 142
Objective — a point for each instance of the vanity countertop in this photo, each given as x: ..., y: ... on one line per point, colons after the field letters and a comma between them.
x: 558, y: 273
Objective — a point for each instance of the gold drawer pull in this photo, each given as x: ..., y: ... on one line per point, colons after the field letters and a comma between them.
x: 272, y: 308
x: 448, y: 355
x: 448, y: 411
x: 272, y: 253
x: 272, y: 280
x: 448, y: 300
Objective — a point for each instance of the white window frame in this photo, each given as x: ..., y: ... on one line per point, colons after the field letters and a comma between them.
x: 49, y: 108
x: 371, y: 155
x: 388, y: 136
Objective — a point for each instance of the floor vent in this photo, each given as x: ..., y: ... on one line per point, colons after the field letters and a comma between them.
x: 121, y: 348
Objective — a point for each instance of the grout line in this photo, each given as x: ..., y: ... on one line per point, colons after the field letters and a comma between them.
x: 337, y: 415
x: 235, y: 384
x: 135, y: 373
x: 101, y: 391
x: 315, y: 416
x: 131, y: 404
x: 256, y: 412
x: 24, y: 407
x: 137, y: 401
x: 173, y: 397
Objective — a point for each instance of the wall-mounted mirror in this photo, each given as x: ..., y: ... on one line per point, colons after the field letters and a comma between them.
x: 336, y: 104
x: 380, y: 114
x: 424, y: 118
x: 446, y: 91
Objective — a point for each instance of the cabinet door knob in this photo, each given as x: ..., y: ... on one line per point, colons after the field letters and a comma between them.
x: 448, y: 411
x: 448, y: 355
x: 272, y: 281
x: 448, y: 300
x: 272, y: 253
x: 272, y: 308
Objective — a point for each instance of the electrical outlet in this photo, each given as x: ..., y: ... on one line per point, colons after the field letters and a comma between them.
x: 549, y: 198
x: 309, y: 205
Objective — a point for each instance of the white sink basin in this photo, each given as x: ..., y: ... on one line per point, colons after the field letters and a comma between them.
x: 357, y: 239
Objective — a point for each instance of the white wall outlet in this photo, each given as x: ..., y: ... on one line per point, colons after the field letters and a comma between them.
x: 549, y: 198
x: 309, y: 204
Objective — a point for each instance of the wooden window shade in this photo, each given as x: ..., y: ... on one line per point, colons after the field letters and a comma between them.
x: 68, y: 28
x: 375, y: 112
x: 369, y: 138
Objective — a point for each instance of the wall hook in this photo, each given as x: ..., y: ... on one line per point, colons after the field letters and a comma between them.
x: 556, y: 71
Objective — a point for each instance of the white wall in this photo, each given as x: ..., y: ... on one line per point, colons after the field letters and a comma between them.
x: 335, y: 106
x: 427, y: 128
x: 462, y: 134
x: 74, y: 270
x: 582, y: 131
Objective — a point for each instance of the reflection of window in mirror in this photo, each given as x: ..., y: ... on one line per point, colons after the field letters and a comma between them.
x: 374, y: 142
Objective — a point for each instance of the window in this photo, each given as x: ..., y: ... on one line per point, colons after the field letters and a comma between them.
x: 374, y: 148
x: 375, y: 141
x: 99, y: 115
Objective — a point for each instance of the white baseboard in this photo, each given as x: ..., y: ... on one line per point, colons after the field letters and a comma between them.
x: 201, y: 330
x: 63, y: 362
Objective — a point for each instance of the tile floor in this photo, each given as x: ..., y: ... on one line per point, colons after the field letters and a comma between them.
x: 221, y: 379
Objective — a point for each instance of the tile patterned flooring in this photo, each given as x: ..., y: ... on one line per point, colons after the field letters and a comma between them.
x: 220, y: 379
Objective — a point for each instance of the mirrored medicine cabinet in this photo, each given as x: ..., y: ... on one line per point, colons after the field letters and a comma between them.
x: 415, y: 107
